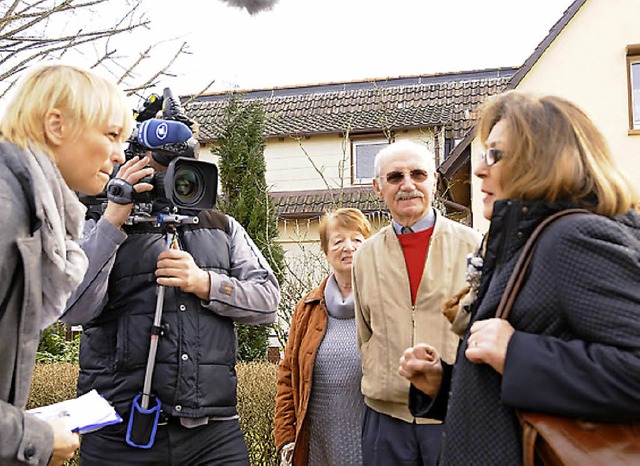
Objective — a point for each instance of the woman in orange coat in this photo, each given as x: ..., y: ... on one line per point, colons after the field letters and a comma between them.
x: 319, y: 407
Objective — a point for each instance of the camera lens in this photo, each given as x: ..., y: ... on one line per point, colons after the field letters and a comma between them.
x: 188, y: 185
x: 191, y: 183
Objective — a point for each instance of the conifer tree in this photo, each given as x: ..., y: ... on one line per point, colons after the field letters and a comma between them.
x: 245, y: 196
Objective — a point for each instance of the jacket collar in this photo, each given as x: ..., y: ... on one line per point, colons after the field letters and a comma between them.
x: 424, y: 223
x: 512, y: 223
x: 317, y: 294
x: 14, y: 159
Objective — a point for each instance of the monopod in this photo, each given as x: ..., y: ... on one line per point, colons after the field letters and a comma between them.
x: 146, y: 407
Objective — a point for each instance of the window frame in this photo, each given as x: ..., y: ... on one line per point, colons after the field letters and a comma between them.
x: 633, y: 59
x: 356, y: 141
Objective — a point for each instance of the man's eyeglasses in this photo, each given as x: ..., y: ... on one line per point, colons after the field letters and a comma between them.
x: 396, y: 177
x: 491, y: 156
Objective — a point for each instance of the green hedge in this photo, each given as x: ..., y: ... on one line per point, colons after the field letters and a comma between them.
x: 256, y: 401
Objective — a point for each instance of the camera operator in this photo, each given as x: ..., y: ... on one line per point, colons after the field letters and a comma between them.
x: 215, y: 276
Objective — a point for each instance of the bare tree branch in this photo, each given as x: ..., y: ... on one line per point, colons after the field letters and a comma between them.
x: 162, y: 72
x: 31, y: 31
x: 195, y: 96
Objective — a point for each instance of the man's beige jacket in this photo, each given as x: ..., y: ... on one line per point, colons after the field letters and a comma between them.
x: 387, y: 322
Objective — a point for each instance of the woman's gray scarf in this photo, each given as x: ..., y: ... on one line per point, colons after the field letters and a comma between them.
x: 63, y: 262
x: 337, y: 306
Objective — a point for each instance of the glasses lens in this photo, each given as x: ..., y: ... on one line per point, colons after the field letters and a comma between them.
x: 492, y: 156
x: 419, y: 175
x: 395, y: 177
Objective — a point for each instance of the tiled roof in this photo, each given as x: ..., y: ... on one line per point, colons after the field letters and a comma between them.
x: 302, y: 205
x: 314, y: 203
x: 356, y: 107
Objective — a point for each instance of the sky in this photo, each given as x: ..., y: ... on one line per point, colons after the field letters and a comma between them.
x: 315, y: 41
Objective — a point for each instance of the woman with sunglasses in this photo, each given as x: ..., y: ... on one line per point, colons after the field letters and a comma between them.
x: 319, y: 407
x: 570, y: 345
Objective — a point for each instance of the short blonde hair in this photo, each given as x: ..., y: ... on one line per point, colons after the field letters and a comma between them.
x: 83, y: 97
x: 352, y: 219
x: 556, y: 152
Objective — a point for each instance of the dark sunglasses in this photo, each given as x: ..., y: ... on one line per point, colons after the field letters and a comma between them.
x: 417, y: 176
x: 491, y: 156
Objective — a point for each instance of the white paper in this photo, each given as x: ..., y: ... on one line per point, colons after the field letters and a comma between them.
x: 84, y: 414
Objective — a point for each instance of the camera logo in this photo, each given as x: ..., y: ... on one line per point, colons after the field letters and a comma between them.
x: 162, y: 130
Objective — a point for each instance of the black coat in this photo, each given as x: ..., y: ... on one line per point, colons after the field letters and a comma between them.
x: 194, y: 372
x: 190, y: 378
x: 576, y: 349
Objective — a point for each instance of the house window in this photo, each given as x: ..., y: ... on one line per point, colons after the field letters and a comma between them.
x: 363, y: 153
x: 634, y: 70
x: 633, y: 77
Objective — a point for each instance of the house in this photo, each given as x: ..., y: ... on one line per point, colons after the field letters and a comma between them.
x: 591, y: 57
x: 322, y: 138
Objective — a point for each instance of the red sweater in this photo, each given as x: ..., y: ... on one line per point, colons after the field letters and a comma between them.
x: 415, y: 247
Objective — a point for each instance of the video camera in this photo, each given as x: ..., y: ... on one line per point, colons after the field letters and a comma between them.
x: 187, y: 183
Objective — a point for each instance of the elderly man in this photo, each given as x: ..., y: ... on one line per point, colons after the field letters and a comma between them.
x: 401, y: 276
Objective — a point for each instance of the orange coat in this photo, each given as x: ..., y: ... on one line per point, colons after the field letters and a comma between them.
x: 308, y: 326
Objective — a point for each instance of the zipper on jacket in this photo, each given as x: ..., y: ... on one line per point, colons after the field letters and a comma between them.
x: 413, y: 325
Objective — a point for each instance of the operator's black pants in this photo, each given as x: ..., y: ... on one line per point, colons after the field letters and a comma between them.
x: 390, y: 441
x: 216, y: 443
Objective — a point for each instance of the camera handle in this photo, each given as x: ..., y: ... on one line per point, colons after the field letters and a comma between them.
x: 156, y: 329
x: 163, y: 221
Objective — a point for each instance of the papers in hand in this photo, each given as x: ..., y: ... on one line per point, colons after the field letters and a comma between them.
x: 84, y: 414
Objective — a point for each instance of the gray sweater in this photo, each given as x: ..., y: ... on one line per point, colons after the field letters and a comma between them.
x: 336, y: 405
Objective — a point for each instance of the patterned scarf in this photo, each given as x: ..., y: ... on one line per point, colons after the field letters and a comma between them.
x: 63, y: 262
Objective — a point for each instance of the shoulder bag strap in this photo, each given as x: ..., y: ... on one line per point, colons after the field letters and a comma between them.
x: 517, y: 276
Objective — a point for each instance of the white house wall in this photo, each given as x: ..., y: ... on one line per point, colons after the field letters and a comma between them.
x: 290, y: 167
x: 305, y: 164
x: 586, y: 64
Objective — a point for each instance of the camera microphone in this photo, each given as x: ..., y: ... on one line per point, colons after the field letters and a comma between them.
x: 252, y: 6
x: 155, y: 133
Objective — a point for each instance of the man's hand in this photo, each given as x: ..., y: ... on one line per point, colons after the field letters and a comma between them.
x: 131, y: 172
x: 177, y: 268
x: 421, y: 365
x: 65, y: 442
x: 488, y: 343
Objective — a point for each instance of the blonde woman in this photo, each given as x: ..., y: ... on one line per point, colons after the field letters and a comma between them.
x: 319, y: 407
x: 63, y: 131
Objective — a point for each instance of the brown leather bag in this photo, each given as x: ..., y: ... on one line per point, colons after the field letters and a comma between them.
x: 558, y: 440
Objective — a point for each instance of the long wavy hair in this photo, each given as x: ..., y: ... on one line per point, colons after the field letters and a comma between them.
x: 556, y: 152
